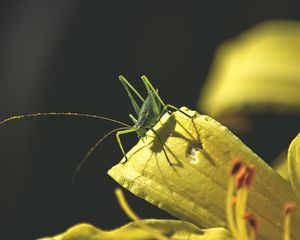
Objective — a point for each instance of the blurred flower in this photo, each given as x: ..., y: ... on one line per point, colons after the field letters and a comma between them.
x: 257, y: 71
x: 253, y: 88
x: 205, y: 157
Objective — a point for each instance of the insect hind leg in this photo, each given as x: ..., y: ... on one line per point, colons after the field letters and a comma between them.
x: 127, y: 87
x: 150, y: 87
x: 166, y: 107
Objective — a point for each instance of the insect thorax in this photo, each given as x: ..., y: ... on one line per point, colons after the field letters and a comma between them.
x: 147, y: 118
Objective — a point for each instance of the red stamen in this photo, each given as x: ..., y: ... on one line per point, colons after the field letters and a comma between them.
x: 251, y: 220
x: 240, y: 178
x: 289, y: 208
x: 235, y: 166
x: 250, y: 169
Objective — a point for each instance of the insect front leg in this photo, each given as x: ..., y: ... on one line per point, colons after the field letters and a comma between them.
x: 119, y: 140
x: 135, y: 121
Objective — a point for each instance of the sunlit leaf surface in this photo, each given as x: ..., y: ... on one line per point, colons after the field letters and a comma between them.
x: 194, y: 187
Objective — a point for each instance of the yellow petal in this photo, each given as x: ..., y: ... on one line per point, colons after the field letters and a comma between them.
x: 256, y: 71
x: 81, y: 231
x: 194, y: 187
x: 280, y: 164
x: 172, y: 229
x: 294, y: 164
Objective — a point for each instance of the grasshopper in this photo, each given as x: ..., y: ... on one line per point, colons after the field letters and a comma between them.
x: 148, y: 115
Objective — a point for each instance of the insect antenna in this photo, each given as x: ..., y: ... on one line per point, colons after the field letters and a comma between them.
x: 32, y: 115
x: 63, y: 114
x: 79, y: 166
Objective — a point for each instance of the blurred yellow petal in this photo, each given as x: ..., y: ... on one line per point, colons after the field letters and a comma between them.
x: 294, y: 164
x: 81, y: 231
x: 194, y: 187
x: 257, y: 71
x: 281, y: 165
x: 174, y: 230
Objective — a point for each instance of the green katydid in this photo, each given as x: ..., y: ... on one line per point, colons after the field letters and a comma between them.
x: 148, y: 115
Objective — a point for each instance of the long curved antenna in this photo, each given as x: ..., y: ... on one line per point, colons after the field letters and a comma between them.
x: 79, y: 166
x: 63, y: 114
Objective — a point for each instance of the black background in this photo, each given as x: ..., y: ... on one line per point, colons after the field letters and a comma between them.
x: 66, y: 56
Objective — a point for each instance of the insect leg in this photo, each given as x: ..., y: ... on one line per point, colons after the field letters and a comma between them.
x: 159, y: 139
x: 149, y: 85
x: 127, y: 85
x: 151, y: 91
x: 119, y: 140
x: 124, y: 80
x: 167, y: 106
x: 133, y: 118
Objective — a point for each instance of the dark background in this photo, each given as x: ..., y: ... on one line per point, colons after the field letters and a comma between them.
x: 66, y: 56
